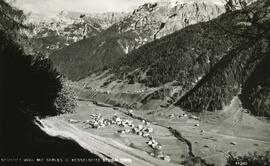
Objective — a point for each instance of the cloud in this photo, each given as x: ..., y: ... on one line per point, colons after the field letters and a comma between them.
x: 47, y: 7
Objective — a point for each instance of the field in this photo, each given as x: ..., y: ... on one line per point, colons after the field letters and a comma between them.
x: 182, y: 136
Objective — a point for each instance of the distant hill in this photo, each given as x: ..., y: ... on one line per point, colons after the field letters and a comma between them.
x: 149, y: 22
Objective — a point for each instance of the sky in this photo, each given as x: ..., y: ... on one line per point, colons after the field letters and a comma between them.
x: 48, y: 7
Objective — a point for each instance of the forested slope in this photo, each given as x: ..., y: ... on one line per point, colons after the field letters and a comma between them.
x: 212, y: 61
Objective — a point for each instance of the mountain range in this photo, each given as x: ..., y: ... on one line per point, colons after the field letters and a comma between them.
x: 210, y: 63
x: 55, y: 32
x: 147, y: 23
x: 210, y: 51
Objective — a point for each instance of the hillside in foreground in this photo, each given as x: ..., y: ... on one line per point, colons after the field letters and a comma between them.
x: 238, y: 71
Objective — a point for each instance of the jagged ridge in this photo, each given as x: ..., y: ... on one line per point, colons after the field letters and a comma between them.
x: 53, y: 33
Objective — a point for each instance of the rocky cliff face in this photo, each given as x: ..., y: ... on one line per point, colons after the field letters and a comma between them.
x: 50, y: 34
x: 163, y: 18
x: 149, y: 22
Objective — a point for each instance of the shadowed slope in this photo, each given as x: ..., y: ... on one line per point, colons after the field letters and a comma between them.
x: 28, y: 88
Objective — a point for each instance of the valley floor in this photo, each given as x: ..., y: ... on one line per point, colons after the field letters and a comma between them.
x: 210, y: 138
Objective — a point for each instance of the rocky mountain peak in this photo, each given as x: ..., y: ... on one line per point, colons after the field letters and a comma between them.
x: 164, y: 17
x: 147, y: 7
